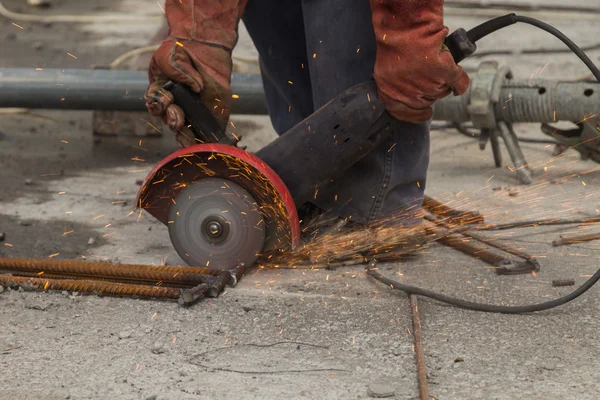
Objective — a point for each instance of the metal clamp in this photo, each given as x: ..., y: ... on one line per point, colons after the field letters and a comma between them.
x: 484, y: 95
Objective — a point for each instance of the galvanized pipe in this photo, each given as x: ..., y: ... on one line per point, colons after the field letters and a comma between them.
x: 120, y: 90
x: 109, y: 90
x: 539, y: 100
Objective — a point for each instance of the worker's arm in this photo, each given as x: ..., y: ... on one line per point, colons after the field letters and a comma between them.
x: 413, y: 67
x: 197, y: 53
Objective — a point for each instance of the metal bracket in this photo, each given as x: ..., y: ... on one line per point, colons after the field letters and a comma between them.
x: 481, y: 104
x: 484, y: 94
x: 585, y: 138
x: 516, y: 154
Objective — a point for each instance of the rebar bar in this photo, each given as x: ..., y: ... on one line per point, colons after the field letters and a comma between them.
x: 563, y: 282
x: 565, y: 241
x: 178, y: 285
x: 190, y: 296
x: 455, y: 217
x: 501, y: 246
x: 469, y: 247
x: 419, y: 353
x: 490, y: 242
x: 219, y: 284
x: 90, y: 286
x: 149, y: 273
x: 536, y: 223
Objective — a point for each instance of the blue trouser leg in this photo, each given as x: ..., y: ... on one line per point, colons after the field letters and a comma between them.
x: 324, y: 47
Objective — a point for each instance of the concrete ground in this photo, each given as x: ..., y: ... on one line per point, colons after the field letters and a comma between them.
x: 286, y: 333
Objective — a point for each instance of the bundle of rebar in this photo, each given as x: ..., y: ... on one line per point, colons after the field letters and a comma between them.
x: 185, y: 284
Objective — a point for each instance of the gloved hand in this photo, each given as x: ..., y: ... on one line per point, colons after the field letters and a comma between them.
x: 413, y: 67
x: 197, y: 53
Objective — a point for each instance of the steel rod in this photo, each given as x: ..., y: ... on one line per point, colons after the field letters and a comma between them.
x: 178, y: 285
x: 190, y: 296
x: 452, y: 216
x: 419, y: 353
x: 565, y: 241
x: 468, y: 247
x: 92, y: 269
x: 90, y: 286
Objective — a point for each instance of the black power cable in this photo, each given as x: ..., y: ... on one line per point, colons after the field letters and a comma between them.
x: 521, y: 7
x: 475, y: 34
x: 504, y: 21
x: 470, y: 305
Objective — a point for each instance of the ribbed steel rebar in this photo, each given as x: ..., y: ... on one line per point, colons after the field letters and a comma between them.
x: 454, y: 217
x: 190, y: 296
x: 419, y: 353
x: 219, y: 284
x: 90, y: 286
x: 178, y: 285
x: 149, y: 273
x: 565, y: 241
x: 470, y: 247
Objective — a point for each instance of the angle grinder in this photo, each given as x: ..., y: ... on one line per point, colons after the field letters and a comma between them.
x: 225, y: 206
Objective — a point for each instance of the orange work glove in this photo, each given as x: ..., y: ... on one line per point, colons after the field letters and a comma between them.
x: 197, y: 53
x: 413, y: 67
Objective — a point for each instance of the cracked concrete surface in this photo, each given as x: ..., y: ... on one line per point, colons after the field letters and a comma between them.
x: 288, y: 333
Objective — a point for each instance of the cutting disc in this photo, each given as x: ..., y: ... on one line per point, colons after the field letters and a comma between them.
x: 216, y: 223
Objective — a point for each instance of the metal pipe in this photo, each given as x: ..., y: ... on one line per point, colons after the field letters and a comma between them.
x: 539, y: 100
x: 119, y: 90
x: 103, y: 89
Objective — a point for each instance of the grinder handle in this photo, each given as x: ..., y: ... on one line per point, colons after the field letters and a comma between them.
x: 460, y: 45
x: 197, y: 117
